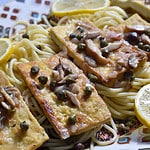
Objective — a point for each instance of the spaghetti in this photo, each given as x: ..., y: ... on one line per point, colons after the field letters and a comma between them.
x: 39, y: 45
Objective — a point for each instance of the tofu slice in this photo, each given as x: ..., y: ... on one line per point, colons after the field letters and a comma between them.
x: 65, y: 103
x: 19, y: 129
x: 109, y: 63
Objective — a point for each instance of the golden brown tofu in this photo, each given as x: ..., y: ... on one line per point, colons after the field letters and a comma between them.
x: 104, y: 54
x: 19, y: 130
x: 67, y: 97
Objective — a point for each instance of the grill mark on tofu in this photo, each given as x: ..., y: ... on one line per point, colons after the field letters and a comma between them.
x: 92, y: 111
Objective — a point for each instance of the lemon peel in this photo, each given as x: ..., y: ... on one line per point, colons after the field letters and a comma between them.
x: 6, y: 49
x: 142, y: 105
x: 71, y: 7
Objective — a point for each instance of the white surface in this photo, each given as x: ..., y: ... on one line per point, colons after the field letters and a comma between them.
x: 25, y: 8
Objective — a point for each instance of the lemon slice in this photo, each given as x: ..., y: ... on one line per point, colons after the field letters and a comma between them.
x: 70, y: 7
x: 6, y: 49
x: 142, y: 105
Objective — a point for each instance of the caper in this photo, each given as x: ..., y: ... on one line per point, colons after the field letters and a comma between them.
x: 39, y: 47
x: 72, y: 35
x: 146, y: 48
x: 70, y: 80
x: 129, y: 76
x: 25, y: 36
x: 80, y: 29
x: 57, y: 67
x: 72, y: 119
x: 101, y: 38
x: 53, y: 85
x: 43, y: 79
x: 103, y: 43
x: 88, y: 90
x: 61, y: 95
x: 81, y: 47
x: 105, y: 52
x: 140, y: 45
x: 24, y: 126
x: 79, y: 36
x: 35, y: 69
x: 147, y: 32
x: 92, y: 77
x: 67, y: 71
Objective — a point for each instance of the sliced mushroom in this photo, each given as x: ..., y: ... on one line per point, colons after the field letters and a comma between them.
x: 75, y: 88
x: 112, y: 46
x: 66, y: 78
x: 113, y: 36
x: 73, y: 98
x: 145, y: 39
x: 133, y: 61
x: 90, y: 61
x: 12, y: 90
x: 93, y: 51
x: 60, y: 88
x: 8, y: 97
x: 58, y: 73
x: 137, y: 28
x: 75, y: 40
x: 6, y: 106
x: 85, y: 25
x: 92, y: 34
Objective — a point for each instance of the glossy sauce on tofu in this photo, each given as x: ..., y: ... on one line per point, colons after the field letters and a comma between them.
x: 18, y: 128
x: 107, y: 55
x: 68, y: 98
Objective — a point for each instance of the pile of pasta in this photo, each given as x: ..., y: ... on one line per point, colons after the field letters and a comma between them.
x: 34, y: 43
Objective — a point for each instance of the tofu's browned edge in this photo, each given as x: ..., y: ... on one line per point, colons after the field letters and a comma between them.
x: 24, y: 70
x: 61, y: 42
x: 4, y: 82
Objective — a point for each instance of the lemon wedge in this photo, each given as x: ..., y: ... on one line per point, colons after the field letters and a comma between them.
x: 70, y: 7
x: 142, y: 105
x: 6, y: 49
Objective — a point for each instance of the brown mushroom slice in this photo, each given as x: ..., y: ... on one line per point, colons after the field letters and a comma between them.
x: 90, y: 61
x: 86, y: 25
x: 93, y: 51
x: 133, y: 61
x: 112, y: 46
x: 145, y: 39
x: 9, y: 97
x: 68, y: 77
x: 58, y: 73
x: 137, y: 28
x: 73, y: 98
x: 92, y: 34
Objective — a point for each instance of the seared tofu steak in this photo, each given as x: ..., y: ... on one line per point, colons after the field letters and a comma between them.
x: 67, y: 97
x: 19, y: 130
x: 106, y: 55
